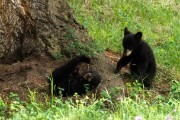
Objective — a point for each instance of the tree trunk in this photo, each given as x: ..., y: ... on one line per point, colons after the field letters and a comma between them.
x: 36, y: 27
x: 31, y: 33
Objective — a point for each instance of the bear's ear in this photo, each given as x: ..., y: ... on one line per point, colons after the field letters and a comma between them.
x: 126, y: 31
x: 138, y: 35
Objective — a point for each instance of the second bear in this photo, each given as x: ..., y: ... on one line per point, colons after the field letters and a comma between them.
x: 67, y: 81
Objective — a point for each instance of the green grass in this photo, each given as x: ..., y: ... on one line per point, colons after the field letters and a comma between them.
x: 92, y: 109
x: 106, y: 108
x: 157, y: 19
x: 105, y: 21
x: 138, y: 103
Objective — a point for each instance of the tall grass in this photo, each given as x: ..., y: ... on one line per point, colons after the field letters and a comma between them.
x: 86, y: 108
x: 92, y: 109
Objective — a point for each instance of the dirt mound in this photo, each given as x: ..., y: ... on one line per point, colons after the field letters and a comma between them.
x: 32, y: 74
x: 105, y: 67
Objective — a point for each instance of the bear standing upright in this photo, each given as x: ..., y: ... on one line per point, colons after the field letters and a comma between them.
x: 140, y: 56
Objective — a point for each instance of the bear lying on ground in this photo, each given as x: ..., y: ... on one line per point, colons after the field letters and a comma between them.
x: 85, y: 78
x: 67, y: 80
x: 140, y: 56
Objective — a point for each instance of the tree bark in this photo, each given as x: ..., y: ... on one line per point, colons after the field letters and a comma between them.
x: 36, y: 27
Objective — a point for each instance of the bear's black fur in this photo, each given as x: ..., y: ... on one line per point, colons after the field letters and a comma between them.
x: 67, y: 82
x: 141, y: 58
x: 82, y: 84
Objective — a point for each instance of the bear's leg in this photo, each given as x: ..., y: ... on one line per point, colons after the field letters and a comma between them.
x: 122, y: 62
x: 140, y: 72
x: 151, y: 71
x: 145, y: 77
x: 134, y: 69
x: 147, y: 82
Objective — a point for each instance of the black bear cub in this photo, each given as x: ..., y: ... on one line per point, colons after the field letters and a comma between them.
x: 82, y: 82
x: 140, y: 56
x: 68, y: 82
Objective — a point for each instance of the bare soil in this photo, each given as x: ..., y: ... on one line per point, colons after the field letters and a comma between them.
x: 32, y: 73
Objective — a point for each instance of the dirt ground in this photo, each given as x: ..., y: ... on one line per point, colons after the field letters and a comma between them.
x: 32, y: 74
